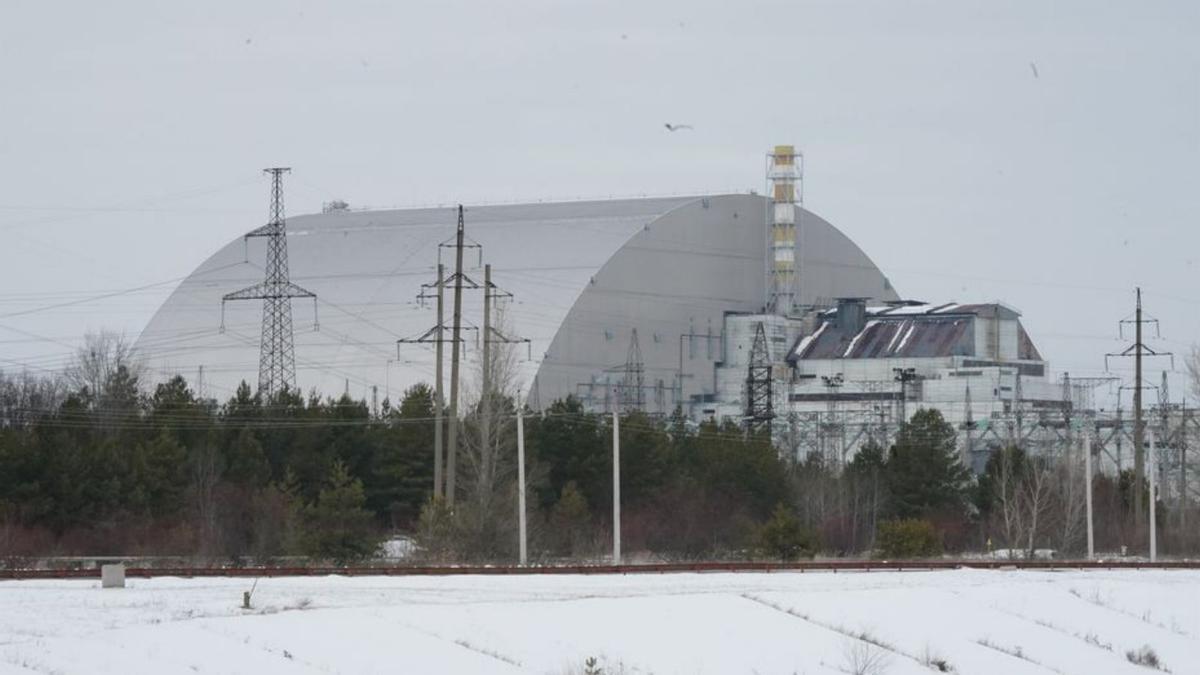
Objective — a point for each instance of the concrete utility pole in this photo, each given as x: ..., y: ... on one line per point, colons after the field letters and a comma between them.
x: 1138, y: 350
x: 439, y: 399
x: 616, y: 416
x: 485, y: 396
x: 1183, y: 485
x: 1139, y: 428
x: 1087, y: 470
x: 521, y: 481
x: 455, y: 336
x: 436, y: 335
x: 1153, y: 520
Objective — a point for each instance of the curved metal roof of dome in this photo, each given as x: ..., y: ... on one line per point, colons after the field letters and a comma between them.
x: 582, y: 274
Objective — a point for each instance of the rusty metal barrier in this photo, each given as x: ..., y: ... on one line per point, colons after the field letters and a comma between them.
x: 648, y: 568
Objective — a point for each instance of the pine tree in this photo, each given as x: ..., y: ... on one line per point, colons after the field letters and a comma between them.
x: 338, y: 526
x: 570, y: 521
x: 784, y: 537
x: 924, y: 474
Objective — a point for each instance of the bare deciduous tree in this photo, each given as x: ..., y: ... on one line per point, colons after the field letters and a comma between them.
x: 1023, y: 494
x: 1036, y: 499
x: 98, y: 361
x: 1192, y: 362
x: 205, y: 473
x: 488, y: 451
x: 1006, y: 495
x: 1070, y: 498
x: 24, y: 396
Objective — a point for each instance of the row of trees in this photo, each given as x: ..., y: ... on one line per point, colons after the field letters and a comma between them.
x: 93, y: 463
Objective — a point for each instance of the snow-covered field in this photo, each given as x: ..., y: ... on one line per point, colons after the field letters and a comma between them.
x: 972, y: 621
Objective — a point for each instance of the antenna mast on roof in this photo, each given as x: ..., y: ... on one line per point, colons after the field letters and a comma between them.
x: 785, y: 175
x: 277, y: 356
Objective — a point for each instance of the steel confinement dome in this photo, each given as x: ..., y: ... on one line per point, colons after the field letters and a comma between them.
x: 582, y: 276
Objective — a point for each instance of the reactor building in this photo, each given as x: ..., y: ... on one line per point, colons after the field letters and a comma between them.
x: 744, y: 307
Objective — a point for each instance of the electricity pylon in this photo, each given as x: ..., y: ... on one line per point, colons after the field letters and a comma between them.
x: 760, y: 409
x: 633, y: 396
x: 277, y: 356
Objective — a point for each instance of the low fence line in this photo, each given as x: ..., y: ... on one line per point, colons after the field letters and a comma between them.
x: 648, y: 568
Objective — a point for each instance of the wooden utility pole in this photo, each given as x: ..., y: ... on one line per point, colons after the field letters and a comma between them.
x: 455, y: 338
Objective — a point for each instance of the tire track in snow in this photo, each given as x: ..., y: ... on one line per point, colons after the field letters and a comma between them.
x: 458, y: 642
x: 861, y: 637
x: 1017, y: 656
x: 1041, y: 623
x: 244, y: 640
x: 1144, y: 618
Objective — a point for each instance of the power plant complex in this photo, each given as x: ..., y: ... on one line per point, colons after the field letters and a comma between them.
x: 735, y: 307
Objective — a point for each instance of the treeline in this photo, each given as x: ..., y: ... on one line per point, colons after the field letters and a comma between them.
x: 115, y: 470
x: 96, y: 465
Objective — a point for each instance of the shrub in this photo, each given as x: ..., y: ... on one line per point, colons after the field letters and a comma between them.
x: 907, y: 538
x: 1146, y: 656
x: 785, y: 538
x: 437, y: 534
x: 337, y: 526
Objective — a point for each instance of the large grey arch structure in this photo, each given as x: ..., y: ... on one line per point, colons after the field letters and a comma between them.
x: 583, y: 275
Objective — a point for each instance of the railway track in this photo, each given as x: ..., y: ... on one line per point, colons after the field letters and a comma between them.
x: 649, y: 568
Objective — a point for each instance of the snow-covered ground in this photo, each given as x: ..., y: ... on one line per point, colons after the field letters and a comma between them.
x: 973, y: 621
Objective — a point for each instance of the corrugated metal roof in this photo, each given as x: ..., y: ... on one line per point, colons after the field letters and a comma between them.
x: 919, y: 337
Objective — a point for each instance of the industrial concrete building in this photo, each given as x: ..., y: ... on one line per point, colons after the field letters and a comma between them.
x: 860, y: 370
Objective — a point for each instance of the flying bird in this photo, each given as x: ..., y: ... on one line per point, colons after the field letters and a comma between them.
x: 677, y: 127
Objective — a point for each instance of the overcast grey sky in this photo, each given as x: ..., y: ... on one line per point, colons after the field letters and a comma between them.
x: 1040, y: 153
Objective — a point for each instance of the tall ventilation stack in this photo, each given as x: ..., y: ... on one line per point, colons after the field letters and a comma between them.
x: 785, y: 173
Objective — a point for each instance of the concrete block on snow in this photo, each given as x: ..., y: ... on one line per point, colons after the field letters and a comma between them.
x: 112, y: 576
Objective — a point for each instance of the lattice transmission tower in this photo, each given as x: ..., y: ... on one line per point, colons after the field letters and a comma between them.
x: 760, y: 408
x: 277, y: 356
x: 633, y: 380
